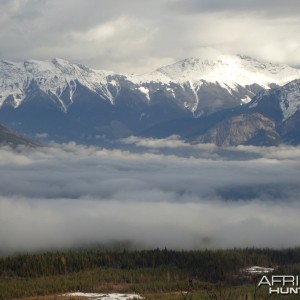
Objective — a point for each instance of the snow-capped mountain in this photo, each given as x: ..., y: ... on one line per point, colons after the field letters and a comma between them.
x: 235, y: 78
x: 66, y: 101
x: 230, y: 71
x: 283, y: 106
x: 52, y: 77
x: 285, y: 99
x: 272, y: 117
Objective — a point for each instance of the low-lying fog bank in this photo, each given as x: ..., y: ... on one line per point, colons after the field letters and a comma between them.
x: 155, y: 193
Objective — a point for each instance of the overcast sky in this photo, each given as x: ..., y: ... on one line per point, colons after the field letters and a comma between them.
x: 193, y: 197
x: 141, y: 35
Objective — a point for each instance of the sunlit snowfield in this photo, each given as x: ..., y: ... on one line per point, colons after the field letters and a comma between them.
x: 112, y: 296
x: 153, y: 193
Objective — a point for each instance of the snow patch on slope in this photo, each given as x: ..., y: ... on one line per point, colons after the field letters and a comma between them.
x: 245, y: 100
x: 144, y: 91
x: 13, y: 80
x: 290, y: 99
x: 111, y: 296
x: 287, y: 96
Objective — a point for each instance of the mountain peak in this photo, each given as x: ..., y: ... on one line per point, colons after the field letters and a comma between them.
x: 230, y: 70
x: 52, y: 77
x: 60, y: 61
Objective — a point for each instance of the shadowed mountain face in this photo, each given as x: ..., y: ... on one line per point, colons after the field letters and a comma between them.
x: 10, y: 138
x: 271, y: 118
x: 226, y: 101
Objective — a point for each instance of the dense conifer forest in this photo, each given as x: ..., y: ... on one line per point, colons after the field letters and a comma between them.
x: 145, y: 272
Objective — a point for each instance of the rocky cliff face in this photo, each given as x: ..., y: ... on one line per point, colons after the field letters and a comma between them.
x: 242, y: 129
x: 290, y: 130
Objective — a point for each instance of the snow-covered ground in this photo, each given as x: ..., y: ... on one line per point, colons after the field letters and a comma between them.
x: 112, y: 296
x: 257, y: 270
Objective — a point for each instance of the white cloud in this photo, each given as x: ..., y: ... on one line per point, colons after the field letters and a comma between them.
x: 140, y: 36
x: 102, y: 32
x: 187, y: 196
x: 9, y: 8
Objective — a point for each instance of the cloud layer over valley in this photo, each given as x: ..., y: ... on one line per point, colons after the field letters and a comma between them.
x: 154, y: 193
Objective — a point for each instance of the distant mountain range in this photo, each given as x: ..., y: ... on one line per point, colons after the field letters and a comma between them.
x: 231, y: 100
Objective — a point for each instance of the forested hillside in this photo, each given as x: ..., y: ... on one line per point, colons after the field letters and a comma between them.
x: 146, y: 271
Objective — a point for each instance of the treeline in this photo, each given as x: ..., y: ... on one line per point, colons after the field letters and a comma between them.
x: 153, y: 272
x: 206, y: 265
x: 102, y: 280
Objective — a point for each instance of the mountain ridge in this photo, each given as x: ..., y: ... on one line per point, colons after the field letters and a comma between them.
x: 73, y: 102
x: 13, y: 139
x: 55, y: 76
